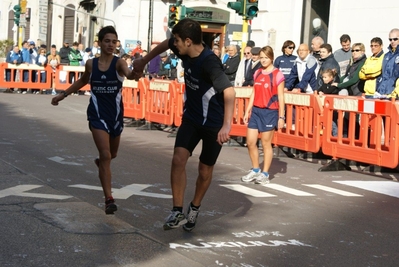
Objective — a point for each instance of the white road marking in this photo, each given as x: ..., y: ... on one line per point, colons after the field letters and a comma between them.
x: 333, y: 190
x: 246, y: 190
x: 125, y: 192
x: 19, y: 190
x: 288, y: 190
x: 383, y: 187
x: 61, y: 161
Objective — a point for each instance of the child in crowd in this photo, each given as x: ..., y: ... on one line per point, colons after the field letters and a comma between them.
x: 328, y: 76
x: 42, y: 61
x: 327, y: 87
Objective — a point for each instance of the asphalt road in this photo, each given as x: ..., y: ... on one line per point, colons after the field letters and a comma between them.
x: 52, y: 211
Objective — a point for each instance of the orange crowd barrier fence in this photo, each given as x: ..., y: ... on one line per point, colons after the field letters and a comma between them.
x: 304, y: 114
x: 66, y: 75
x: 238, y: 127
x: 367, y: 130
x: 179, y: 103
x: 25, y: 76
x: 134, y: 98
x: 160, y: 101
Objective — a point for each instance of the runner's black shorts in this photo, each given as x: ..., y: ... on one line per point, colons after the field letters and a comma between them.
x: 189, y: 135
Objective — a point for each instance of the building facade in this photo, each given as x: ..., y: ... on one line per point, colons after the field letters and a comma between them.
x: 146, y: 20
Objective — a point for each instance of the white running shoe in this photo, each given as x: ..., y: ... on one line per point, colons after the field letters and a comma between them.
x: 250, y: 176
x: 262, y: 179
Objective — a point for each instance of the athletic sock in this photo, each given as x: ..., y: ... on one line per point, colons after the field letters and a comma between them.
x: 256, y: 169
x: 195, y: 207
x: 178, y: 209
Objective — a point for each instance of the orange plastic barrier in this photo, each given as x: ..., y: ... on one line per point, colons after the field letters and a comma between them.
x: 134, y: 98
x: 238, y: 127
x: 372, y: 130
x: 179, y: 103
x: 25, y: 76
x: 160, y: 101
x: 303, y: 132
x: 66, y: 75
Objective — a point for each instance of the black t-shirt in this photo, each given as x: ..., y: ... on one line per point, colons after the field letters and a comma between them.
x: 205, y: 82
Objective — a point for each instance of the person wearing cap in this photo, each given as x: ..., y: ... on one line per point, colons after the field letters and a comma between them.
x: 86, y: 56
x: 33, y: 56
x: 286, y: 61
x: 64, y: 53
x: 207, y: 116
x: 105, y: 110
x: 137, y: 49
x: 254, y: 65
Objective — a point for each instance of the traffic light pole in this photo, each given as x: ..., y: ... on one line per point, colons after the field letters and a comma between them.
x: 244, y: 35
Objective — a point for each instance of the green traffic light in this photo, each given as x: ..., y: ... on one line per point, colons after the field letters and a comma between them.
x: 237, y: 6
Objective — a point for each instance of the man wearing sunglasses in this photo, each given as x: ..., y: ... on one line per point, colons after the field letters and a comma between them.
x: 371, y: 70
x: 390, y: 65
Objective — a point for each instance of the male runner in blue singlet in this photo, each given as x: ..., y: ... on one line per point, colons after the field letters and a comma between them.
x: 105, y: 111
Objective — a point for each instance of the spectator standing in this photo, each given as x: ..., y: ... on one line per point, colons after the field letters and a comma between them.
x: 95, y: 50
x: 154, y: 64
x: 327, y: 61
x: 74, y: 60
x: 267, y: 113
x: 120, y: 48
x: 316, y: 43
x: 350, y: 83
x: 286, y: 61
x: 372, y: 68
x: 231, y: 65
x: 26, y: 60
x: 137, y: 49
x: 344, y: 54
x: 216, y: 50
x: 74, y: 55
x: 164, y: 69
x: 208, y: 112
x: 330, y: 88
x: 54, y: 60
x: 13, y: 57
x: 86, y: 56
x: 390, y: 65
x: 254, y: 65
x: 33, y: 56
x: 64, y: 53
x: 243, y: 67
x: 105, y: 110
x: 303, y: 75
x: 42, y: 61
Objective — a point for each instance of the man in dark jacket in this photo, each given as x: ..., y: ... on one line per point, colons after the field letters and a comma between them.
x: 327, y: 61
x: 231, y: 65
x: 64, y: 53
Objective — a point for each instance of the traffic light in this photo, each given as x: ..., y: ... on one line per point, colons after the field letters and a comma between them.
x: 237, y: 6
x: 173, y: 16
x: 17, y: 14
x: 184, y: 11
x: 251, y: 9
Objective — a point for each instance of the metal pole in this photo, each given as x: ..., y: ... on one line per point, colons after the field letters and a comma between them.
x: 150, y: 25
x: 91, y: 15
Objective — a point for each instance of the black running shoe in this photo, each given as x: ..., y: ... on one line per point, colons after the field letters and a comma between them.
x: 192, y: 214
x: 175, y: 219
x: 110, y: 206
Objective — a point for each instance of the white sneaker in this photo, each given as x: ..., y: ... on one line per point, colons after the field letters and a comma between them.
x: 262, y: 179
x: 87, y: 93
x: 250, y: 176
